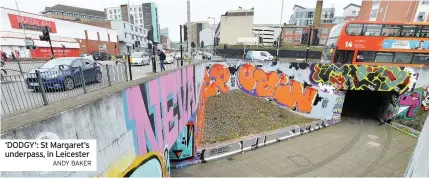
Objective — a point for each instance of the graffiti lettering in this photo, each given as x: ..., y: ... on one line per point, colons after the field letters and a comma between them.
x: 354, y: 77
x: 150, y: 165
x: 412, y: 100
x: 216, y: 79
x: 285, y: 92
x: 156, y: 112
x: 216, y: 151
x: 425, y: 100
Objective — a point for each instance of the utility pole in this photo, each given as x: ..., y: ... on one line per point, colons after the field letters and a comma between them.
x: 278, y: 40
x: 213, y: 31
x: 188, y: 24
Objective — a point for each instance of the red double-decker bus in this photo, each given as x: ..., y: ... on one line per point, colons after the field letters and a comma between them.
x: 378, y: 43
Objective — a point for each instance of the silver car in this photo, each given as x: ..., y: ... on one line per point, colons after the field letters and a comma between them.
x: 140, y: 58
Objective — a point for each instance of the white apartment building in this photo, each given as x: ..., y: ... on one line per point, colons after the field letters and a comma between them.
x: 207, y: 35
x: 128, y: 34
x: 422, y: 12
x: 305, y: 16
x: 268, y: 32
x: 236, y: 27
x: 136, y: 14
x: 351, y: 10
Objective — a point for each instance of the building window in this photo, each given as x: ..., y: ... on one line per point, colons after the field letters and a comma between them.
x: 354, y: 13
x: 114, y: 11
x: 137, y: 21
x: 425, y: 1
x: 119, y: 16
x: 110, y: 11
x: 140, y: 9
x: 373, y: 13
x: 131, y: 9
x: 111, y: 17
x: 124, y: 24
x: 421, y: 16
x: 116, y: 17
x: 135, y: 15
x: 141, y: 20
x: 140, y: 15
x: 131, y: 27
x: 376, y: 2
x: 310, y: 14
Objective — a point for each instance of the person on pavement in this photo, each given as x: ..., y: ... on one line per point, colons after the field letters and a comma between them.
x: 161, y: 59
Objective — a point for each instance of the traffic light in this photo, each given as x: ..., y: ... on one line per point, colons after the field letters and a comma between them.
x: 185, y: 33
x: 150, y: 35
x: 193, y: 45
x: 45, y: 34
x: 149, y: 45
x: 136, y: 43
x: 215, y: 41
x: 218, y: 40
x: 315, y: 40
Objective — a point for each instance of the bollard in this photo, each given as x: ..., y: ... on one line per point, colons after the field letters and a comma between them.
x: 83, y: 80
x: 41, y: 87
x: 108, y: 75
x: 129, y: 67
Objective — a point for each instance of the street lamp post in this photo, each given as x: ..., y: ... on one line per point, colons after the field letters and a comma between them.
x: 278, y: 39
x: 213, y: 31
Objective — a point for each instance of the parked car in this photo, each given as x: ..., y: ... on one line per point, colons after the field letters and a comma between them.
x: 169, y: 59
x: 207, y: 55
x: 259, y: 55
x: 177, y: 55
x: 140, y: 58
x: 101, y: 56
x: 64, y: 73
x: 87, y: 56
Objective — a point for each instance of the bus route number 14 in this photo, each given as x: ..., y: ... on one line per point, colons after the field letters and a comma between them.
x: 349, y: 44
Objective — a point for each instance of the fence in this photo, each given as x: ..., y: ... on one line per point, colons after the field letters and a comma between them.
x: 21, y: 67
x: 29, y: 90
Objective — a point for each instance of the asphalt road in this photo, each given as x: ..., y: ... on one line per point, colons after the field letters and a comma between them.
x: 15, y: 96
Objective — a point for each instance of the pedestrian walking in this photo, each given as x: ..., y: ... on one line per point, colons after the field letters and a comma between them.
x: 161, y: 59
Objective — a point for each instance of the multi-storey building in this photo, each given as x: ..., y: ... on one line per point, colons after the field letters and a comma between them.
x: 68, y: 38
x: 422, y: 12
x: 77, y: 14
x: 207, y: 35
x: 144, y: 15
x: 194, y: 31
x: 388, y: 10
x: 268, y: 32
x: 305, y: 16
x: 164, y: 32
x: 236, y: 27
x: 128, y: 34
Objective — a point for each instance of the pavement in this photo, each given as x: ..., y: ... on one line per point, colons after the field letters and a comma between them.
x: 352, y: 148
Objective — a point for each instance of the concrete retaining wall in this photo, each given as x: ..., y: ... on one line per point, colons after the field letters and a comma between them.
x: 161, y: 117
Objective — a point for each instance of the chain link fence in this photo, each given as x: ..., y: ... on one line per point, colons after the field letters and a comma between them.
x: 26, y: 90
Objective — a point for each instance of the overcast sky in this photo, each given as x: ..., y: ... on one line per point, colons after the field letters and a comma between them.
x: 172, y: 13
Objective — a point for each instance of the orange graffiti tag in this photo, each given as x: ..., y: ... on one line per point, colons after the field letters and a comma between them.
x: 289, y: 93
x: 216, y: 80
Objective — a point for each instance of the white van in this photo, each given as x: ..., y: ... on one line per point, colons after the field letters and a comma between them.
x: 259, y: 55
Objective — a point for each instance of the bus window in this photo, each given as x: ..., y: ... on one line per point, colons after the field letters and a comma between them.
x: 343, y: 56
x: 383, y: 57
x: 365, y: 56
x: 403, y: 58
x: 421, y: 59
x: 371, y: 30
x: 409, y: 31
x: 424, y: 32
x: 354, y: 29
x: 391, y: 30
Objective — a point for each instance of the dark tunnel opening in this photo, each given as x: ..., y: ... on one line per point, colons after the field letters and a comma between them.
x: 366, y: 104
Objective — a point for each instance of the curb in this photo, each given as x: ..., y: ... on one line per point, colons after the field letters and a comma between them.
x: 405, y: 129
x: 253, y: 142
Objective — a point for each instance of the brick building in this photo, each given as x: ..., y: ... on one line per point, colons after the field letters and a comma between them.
x: 77, y: 14
x: 397, y: 10
x: 75, y: 37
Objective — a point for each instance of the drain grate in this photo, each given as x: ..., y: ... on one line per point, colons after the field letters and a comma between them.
x: 300, y: 160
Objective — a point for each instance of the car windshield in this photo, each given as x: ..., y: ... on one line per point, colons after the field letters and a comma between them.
x: 267, y: 53
x: 56, y: 62
x: 140, y: 54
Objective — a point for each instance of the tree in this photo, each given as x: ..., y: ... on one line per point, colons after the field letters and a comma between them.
x: 202, y: 44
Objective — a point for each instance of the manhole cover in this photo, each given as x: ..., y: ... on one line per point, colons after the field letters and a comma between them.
x: 300, y: 160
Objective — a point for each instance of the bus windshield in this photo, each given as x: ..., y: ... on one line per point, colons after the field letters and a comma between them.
x: 331, y: 43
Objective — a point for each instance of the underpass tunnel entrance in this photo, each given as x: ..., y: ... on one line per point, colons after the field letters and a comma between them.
x: 366, y: 104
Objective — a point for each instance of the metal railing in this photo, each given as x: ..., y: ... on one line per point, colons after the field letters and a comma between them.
x: 29, y: 90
